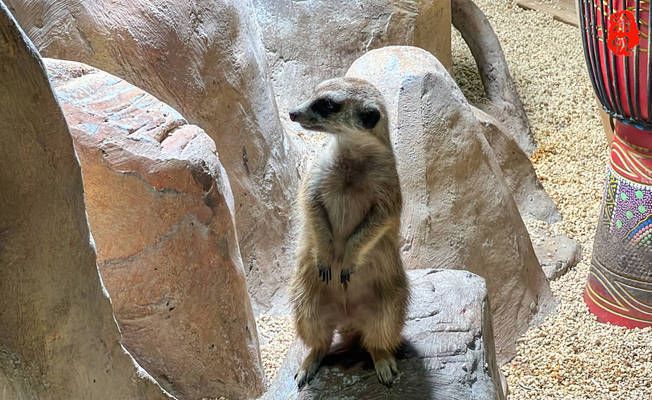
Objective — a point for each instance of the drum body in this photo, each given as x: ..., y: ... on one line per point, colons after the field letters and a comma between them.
x: 616, y: 37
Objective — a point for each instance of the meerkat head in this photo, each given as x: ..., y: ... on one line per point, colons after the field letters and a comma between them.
x: 343, y: 106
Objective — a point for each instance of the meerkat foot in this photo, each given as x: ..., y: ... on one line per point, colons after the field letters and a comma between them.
x: 385, y: 365
x: 386, y: 371
x: 308, y: 368
x: 325, y: 274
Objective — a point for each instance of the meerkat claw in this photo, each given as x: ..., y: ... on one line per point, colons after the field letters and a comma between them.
x: 325, y: 273
x: 386, y: 371
x: 305, y: 375
x: 345, y: 276
x: 301, y: 378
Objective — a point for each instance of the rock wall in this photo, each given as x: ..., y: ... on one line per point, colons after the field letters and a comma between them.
x: 310, y: 41
x: 161, y: 211
x: 458, y: 209
x: 58, y: 337
x: 205, y: 59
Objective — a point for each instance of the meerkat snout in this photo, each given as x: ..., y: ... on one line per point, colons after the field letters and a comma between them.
x: 318, y: 114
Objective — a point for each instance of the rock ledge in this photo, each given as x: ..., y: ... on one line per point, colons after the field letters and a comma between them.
x: 448, y: 351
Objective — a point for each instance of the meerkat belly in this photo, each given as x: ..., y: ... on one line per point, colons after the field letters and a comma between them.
x: 351, y: 306
x: 346, y: 210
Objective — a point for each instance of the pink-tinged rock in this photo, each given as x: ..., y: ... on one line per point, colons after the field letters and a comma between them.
x: 205, y: 58
x: 161, y: 213
x: 58, y: 337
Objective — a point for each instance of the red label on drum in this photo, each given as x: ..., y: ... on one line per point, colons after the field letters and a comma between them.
x: 622, y: 33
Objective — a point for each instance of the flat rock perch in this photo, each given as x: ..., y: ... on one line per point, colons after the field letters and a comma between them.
x: 448, y: 351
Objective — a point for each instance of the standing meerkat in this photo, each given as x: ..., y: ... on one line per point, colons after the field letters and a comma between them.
x: 349, y: 275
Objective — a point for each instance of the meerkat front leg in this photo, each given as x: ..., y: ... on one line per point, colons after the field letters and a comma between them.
x: 316, y: 219
x: 374, y: 225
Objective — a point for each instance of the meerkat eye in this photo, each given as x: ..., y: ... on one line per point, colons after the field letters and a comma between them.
x: 325, y: 107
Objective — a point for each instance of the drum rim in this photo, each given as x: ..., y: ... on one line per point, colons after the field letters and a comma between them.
x: 636, y: 123
x: 595, y: 75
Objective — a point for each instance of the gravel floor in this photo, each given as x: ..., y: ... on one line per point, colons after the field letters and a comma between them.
x: 570, y: 356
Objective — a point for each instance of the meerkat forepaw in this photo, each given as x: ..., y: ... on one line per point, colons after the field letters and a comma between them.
x: 386, y: 370
x: 325, y: 274
x: 345, y: 276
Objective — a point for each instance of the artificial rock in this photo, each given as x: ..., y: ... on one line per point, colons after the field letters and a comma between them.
x: 205, y: 59
x: 58, y: 336
x: 161, y: 212
x: 447, y: 352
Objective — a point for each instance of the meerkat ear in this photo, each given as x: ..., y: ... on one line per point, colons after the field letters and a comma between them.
x: 369, y: 117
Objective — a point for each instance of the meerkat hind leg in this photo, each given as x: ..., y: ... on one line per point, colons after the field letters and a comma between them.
x: 381, y: 350
x: 309, y: 366
x: 318, y: 338
x: 381, y: 336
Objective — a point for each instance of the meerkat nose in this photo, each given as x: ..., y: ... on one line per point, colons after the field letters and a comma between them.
x: 294, y: 115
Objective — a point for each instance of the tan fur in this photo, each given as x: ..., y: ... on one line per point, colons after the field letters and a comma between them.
x: 350, y: 207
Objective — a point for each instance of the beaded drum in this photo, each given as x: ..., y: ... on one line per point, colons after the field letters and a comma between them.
x: 616, y: 35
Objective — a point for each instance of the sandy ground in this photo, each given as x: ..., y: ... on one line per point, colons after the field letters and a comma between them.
x: 570, y: 356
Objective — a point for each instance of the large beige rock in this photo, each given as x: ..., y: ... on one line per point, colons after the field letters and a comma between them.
x: 556, y: 252
x: 313, y: 40
x: 448, y: 350
x: 161, y: 212
x: 58, y: 337
x: 458, y: 208
x: 205, y: 59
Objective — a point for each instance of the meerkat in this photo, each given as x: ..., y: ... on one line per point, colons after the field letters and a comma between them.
x: 349, y: 275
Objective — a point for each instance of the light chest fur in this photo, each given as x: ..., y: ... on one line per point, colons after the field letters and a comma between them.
x: 349, y: 183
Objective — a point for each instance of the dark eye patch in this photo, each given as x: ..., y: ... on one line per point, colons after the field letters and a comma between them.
x: 369, y: 118
x: 325, y: 107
